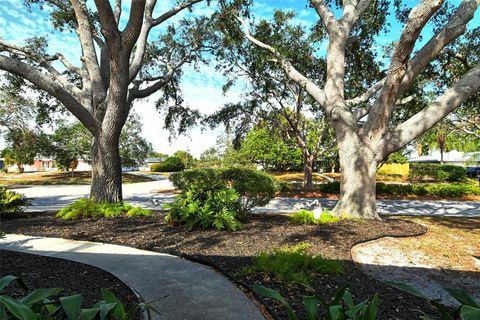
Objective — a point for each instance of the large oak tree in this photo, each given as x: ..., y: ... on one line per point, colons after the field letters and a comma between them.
x: 366, y: 124
x: 118, y: 64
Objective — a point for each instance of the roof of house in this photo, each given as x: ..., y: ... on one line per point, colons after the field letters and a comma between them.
x: 451, y: 156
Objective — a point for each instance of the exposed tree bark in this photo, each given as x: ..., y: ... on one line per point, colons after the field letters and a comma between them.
x: 362, y: 145
x: 308, y: 173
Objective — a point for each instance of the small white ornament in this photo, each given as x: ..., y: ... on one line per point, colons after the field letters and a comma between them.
x: 317, y: 212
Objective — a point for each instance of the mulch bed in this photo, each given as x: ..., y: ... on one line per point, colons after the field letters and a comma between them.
x: 75, y: 278
x: 228, y: 252
x: 318, y: 194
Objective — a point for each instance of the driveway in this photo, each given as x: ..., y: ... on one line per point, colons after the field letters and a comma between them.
x: 47, y: 198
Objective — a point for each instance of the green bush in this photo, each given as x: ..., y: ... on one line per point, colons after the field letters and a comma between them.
x: 307, y: 217
x: 330, y: 187
x: 256, y: 188
x: 436, y: 172
x: 294, y: 264
x: 202, y: 207
x: 39, y: 304
x: 85, y: 208
x: 283, y: 186
x: 170, y: 164
x: 11, y: 203
x: 341, y: 307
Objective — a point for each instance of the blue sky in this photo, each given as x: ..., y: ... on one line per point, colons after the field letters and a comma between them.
x: 202, y: 89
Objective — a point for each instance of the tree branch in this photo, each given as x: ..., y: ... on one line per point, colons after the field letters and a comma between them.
x: 167, y: 15
x: 293, y: 73
x: 53, y: 88
x: 434, y: 113
x: 325, y: 14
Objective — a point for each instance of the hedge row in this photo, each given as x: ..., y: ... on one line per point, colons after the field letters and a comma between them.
x: 441, y: 190
x: 436, y: 172
x: 170, y: 164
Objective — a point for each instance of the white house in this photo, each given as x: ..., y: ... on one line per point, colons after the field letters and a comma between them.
x: 458, y: 158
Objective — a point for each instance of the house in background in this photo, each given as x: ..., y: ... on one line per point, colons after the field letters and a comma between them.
x: 457, y: 158
x: 149, y: 162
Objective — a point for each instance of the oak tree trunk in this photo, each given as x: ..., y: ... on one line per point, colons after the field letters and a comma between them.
x: 308, y: 174
x: 357, y: 188
x: 106, y: 170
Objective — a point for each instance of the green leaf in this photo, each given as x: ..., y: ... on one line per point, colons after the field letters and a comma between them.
x: 347, y: 298
x: 463, y: 297
x: 311, y: 306
x: 119, y: 309
x: 442, y: 310
x: 372, y: 308
x: 18, y: 309
x: 338, y: 296
x: 469, y: 313
x: 105, y: 308
x: 273, y: 294
x: 336, y: 312
x: 407, y: 288
x: 88, y: 314
x: 7, y: 280
x: 39, y: 295
x: 72, y: 306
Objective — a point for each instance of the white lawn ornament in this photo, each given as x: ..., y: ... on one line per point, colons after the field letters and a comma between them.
x: 317, y: 211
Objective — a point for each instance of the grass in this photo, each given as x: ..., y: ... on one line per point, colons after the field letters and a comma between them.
x: 307, y: 217
x: 293, y: 264
x: 60, y: 178
x: 86, y: 208
x: 296, y: 177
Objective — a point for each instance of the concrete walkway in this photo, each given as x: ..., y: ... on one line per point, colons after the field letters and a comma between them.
x: 186, y: 290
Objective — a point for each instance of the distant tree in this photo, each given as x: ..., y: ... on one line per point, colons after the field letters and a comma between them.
x: 134, y: 148
x: 156, y: 154
x: 187, y: 159
x: 268, y: 148
x: 69, y: 143
x: 23, y: 145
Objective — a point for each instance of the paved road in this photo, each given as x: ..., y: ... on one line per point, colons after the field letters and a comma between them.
x: 46, y: 198
x: 179, y: 288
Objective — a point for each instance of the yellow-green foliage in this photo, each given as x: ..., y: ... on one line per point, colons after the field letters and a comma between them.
x: 86, y: 208
x: 306, y: 217
x: 395, y: 168
x: 294, y: 264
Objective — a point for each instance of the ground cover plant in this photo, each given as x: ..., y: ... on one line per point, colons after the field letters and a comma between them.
x: 38, y: 304
x: 170, y: 164
x: 293, y: 264
x: 341, y: 306
x: 86, y: 208
x: 205, y: 207
x: 307, y: 217
x: 11, y: 203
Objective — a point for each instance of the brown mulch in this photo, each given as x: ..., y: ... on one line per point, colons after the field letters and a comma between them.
x: 75, y: 278
x: 228, y: 252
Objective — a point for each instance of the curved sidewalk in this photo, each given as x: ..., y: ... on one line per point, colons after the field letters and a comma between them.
x: 186, y: 290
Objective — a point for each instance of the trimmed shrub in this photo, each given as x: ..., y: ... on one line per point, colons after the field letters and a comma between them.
x: 170, y: 164
x: 11, y: 203
x: 256, y: 188
x: 207, y: 206
x: 283, y: 186
x: 440, y: 190
x: 436, y: 172
x: 294, y: 264
x: 86, y: 209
